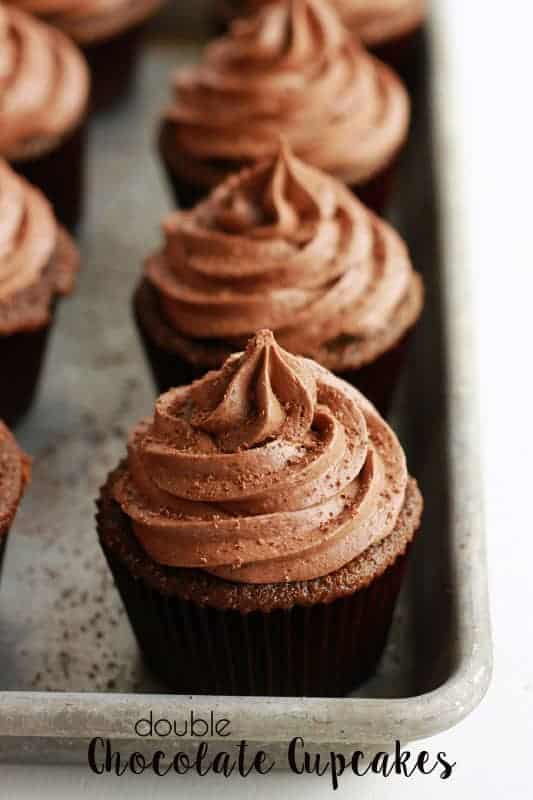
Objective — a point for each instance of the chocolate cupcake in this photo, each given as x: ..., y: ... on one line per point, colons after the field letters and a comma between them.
x: 110, y: 32
x: 38, y: 263
x: 388, y: 28
x: 257, y: 530
x: 44, y: 89
x: 284, y: 246
x: 14, y: 475
x: 293, y: 70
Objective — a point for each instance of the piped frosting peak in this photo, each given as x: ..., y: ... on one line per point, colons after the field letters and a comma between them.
x: 284, y: 199
x: 260, y: 395
x: 268, y: 470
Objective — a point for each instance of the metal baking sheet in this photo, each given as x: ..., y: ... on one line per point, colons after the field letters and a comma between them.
x: 69, y: 666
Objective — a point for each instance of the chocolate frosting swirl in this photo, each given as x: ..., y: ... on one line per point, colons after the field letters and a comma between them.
x: 375, y: 21
x: 291, y: 69
x: 287, y: 247
x: 269, y: 470
x: 88, y: 21
x: 44, y: 85
x: 37, y: 258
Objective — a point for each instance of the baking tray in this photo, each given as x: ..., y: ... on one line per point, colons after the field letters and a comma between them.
x: 70, y: 669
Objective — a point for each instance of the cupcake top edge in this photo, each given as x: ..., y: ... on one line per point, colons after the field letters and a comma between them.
x: 269, y: 470
x: 15, y: 470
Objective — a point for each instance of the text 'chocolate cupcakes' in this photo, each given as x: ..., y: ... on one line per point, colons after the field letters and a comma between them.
x: 38, y: 264
x: 257, y: 530
x: 110, y: 33
x: 294, y: 70
x: 14, y: 475
x: 286, y: 247
x: 44, y: 91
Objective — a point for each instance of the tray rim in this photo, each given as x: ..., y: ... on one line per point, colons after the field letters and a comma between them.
x: 28, y: 716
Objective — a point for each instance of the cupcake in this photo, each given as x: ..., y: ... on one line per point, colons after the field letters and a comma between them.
x: 110, y: 32
x: 387, y: 27
x: 44, y: 87
x: 38, y: 263
x: 284, y: 246
x: 258, y: 529
x: 14, y: 474
x: 292, y: 70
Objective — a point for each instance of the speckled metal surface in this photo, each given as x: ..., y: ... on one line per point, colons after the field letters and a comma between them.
x: 70, y: 669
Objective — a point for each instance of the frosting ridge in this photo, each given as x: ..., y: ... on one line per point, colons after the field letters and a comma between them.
x: 269, y: 470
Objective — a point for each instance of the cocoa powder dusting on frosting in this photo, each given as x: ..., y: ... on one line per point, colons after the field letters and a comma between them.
x: 44, y: 85
x: 293, y: 69
x: 268, y: 470
x: 286, y: 247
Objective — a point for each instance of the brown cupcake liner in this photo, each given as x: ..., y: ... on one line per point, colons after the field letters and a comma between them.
x: 404, y: 55
x: 201, y: 634
x: 376, y: 192
x: 60, y: 175
x: 21, y: 357
x: 322, y: 650
x: 377, y: 380
x: 186, y: 194
x: 223, y: 12
x: 168, y: 367
x: 113, y: 64
x: 3, y: 542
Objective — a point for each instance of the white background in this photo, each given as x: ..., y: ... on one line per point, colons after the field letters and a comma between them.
x: 492, y: 64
